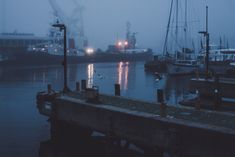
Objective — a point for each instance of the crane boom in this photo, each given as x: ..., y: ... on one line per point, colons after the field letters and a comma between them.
x: 74, y: 22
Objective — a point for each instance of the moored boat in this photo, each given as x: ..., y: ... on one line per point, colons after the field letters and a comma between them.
x: 183, y: 67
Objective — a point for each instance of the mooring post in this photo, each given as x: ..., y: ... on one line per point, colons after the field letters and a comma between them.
x: 198, y: 102
x: 163, y: 106
x: 160, y: 96
x: 217, y: 93
x: 77, y: 86
x: 117, y: 90
x: 83, y: 85
x: 49, y: 88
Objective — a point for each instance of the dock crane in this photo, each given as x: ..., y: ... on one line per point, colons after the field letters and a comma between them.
x: 74, y: 22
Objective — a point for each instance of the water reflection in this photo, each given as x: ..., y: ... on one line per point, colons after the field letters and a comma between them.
x: 19, y: 85
x: 176, y: 88
x: 123, y: 73
x: 90, y: 75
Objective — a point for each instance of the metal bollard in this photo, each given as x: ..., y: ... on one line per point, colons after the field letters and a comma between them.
x: 77, y: 86
x: 49, y: 88
x: 83, y: 85
x: 198, y: 101
x: 160, y: 96
x: 117, y: 90
x: 163, y: 106
x: 217, y: 94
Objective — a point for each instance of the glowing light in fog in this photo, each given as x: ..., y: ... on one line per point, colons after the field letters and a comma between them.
x: 90, y: 51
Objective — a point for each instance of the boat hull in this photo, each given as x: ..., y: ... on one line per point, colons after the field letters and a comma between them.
x: 48, y: 59
x: 177, y: 69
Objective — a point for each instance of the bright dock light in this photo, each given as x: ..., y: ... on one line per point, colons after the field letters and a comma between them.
x: 90, y: 51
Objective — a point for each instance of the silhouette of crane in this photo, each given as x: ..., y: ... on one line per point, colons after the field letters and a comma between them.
x: 74, y: 22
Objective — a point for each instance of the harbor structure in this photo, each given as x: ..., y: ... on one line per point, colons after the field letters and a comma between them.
x: 156, y: 126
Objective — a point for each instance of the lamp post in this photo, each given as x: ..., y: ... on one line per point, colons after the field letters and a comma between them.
x: 207, y: 35
x: 63, y: 27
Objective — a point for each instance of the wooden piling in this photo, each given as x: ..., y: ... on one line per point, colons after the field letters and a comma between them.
x: 217, y: 95
x: 117, y: 90
x: 163, y: 106
x: 77, y: 86
x: 49, y: 88
x: 198, y: 101
x: 160, y: 96
x: 83, y: 85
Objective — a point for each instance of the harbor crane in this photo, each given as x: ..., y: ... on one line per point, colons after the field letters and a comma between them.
x: 74, y: 22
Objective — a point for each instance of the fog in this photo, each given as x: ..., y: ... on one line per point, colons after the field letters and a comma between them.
x: 105, y: 20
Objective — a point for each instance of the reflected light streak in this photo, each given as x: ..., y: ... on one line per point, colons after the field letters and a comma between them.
x: 90, y: 75
x: 126, y: 76
x: 123, y: 72
x: 120, y: 73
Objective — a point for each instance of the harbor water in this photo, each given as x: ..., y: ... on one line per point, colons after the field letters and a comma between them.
x: 22, y: 128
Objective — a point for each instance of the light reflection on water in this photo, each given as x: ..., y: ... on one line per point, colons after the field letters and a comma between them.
x: 123, y: 72
x: 18, y: 88
x: 90, y: 75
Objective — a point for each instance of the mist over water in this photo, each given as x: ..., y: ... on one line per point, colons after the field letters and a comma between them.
x: 105, y: 20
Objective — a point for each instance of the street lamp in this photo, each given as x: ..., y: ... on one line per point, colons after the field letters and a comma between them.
x: 63, y: 27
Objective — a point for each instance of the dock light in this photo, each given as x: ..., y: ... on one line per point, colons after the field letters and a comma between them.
x: 126, y: 43
x: 90, y: 51
x: 120, y: 43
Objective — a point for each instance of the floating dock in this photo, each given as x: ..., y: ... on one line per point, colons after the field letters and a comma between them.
x: 185, y: 132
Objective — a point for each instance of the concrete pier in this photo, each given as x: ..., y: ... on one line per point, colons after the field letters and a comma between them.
x: 182, y: 131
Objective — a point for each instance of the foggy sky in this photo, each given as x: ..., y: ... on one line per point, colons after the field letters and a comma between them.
x: 104, y: 20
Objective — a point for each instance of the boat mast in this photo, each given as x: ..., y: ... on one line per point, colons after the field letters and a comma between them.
x: 185, y: 28
x: 207, y: 35
x: 177, y: 27
x: 165, y: 53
